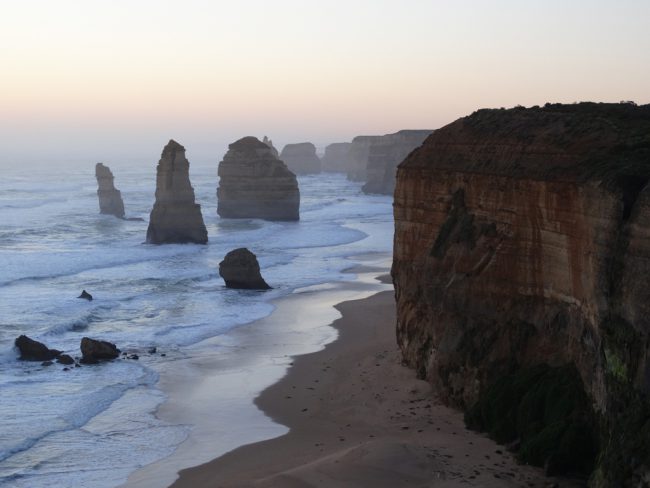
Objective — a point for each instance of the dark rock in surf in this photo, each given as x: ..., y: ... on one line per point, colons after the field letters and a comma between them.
x: 110, y: 198
x: 65, y: 359
x: 86, y: 296
x: 47, y: 363
x: 31, y: 350
x: 240, y: 269
x: 94, y: 351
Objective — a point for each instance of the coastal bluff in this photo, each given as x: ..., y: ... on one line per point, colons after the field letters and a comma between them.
x: 176, y: 217
x: 521, y: 264
x: 110, y: 198
x: 254, y: 183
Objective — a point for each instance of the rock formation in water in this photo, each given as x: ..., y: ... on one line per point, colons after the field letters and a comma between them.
x: 240, y: 269
x: 269, y: 143
x: 176, y: 217
x: 521, y: 265
x: 301, y: 158
x: 336, y: 158
x: 94, y: 351
x: 31, y: 350
x: 86, y: 296
x: 110, y: 199
x: 253, y: 183
x: 359, y: 151
x: 384, y: 154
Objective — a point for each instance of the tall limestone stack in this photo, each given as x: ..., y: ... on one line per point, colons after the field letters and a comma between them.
x: 336, y: 158
x: 110, y: 198
x: 301, y: 158
x: 521, y: 265
x: 359, y: 151
x: 269, y: 143
x: 175, y: 217
x: 385, y: 154
x: 254, y: 183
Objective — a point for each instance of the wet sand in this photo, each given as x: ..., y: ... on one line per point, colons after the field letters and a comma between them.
x: 358, y: 418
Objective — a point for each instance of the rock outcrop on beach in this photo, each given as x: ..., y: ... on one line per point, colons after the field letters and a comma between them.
x: 94, y: 351
x: 253, y: 183
x: 240, y: 269
x: 301, y: 158
x: 336, y: 158
x: 384, y: 154
x: 521, y: 264
x: 31, y: 350
x: 176, y: 217
x: 269, y: 143
x: 110, y: 198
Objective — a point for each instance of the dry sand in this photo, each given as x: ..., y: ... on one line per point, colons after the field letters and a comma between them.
x: 358, y: 418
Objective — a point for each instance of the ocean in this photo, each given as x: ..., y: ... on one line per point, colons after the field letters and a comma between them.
x: 95, y: 425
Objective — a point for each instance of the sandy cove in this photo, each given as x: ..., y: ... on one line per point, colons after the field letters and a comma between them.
x: 358, y: 418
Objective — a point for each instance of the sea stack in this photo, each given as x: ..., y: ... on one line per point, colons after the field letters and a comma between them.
x: 240, y: 269
x: 301, y: 158
x: 269, y: 143
x: 175, y: 217
x: 521, y: 264
x: 110, y: 199
x: 254, y: 183
x: 336, y: 158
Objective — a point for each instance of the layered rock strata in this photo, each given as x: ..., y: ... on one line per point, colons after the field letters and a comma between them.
x: 336, y: 158
x: 176, y: 217
x: 240, y: 269
x: 301, y: 158
x: 110, y: 198
x: 522, y: 238
x: 253, y: 183
x: 384, y: 154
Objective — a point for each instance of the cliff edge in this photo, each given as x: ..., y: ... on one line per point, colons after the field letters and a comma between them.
x: 521, y: 264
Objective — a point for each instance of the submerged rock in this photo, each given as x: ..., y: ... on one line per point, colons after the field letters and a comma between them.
x: 31, y: 350
x: 65, y: 359
x: 93, y: 351
x: 176, y: 217
x: 110, y: 198
x: 86, y: 296
x: 240, y: 269
x: 253, y: 183
x: 301, y: 158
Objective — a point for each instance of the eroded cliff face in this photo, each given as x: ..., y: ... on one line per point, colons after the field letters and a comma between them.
x: 522, y: 237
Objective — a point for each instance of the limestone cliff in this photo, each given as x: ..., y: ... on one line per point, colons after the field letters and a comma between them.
x: 301, y: 158
x: 176, y: 217
x: 254, y: 183
x: 522, y: 238
x: 359, y: 151
x: 384, y: 154
x: 110, y: 198
x: 336, y: 158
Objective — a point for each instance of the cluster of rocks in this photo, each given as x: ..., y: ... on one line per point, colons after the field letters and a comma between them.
x: 254, y: 183
x: 92, y: 351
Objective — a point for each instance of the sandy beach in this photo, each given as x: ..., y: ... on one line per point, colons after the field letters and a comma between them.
x: 358, y: 418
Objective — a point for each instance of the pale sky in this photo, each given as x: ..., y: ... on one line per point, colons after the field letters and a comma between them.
x: 114, y: 80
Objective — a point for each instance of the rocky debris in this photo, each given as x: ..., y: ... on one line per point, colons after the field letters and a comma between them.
x: 384, y: 154
x: 110, y: 198
x: 301, y: 158
x: 253, y: 183
x: 175, y: 217
x: 31, y: 350
x: 336, y: 158
x: 240, y: 269
x: 86, y: 296
x: 521, y: 241
x: 93, y: 351
x: 269, y: 143
x: 65, y: 359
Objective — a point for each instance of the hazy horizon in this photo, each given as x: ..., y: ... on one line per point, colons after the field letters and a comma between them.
x: 113, y: 81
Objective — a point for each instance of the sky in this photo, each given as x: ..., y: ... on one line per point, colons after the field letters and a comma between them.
x: 113, y: 80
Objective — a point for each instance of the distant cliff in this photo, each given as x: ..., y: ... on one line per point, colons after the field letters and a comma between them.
x: 521, y: 265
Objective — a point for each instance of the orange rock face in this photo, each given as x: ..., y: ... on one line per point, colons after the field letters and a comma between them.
x: 523, y: 237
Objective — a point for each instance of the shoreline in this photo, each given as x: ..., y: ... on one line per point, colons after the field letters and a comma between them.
x: 358, y: 418
x: 213, y: 387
